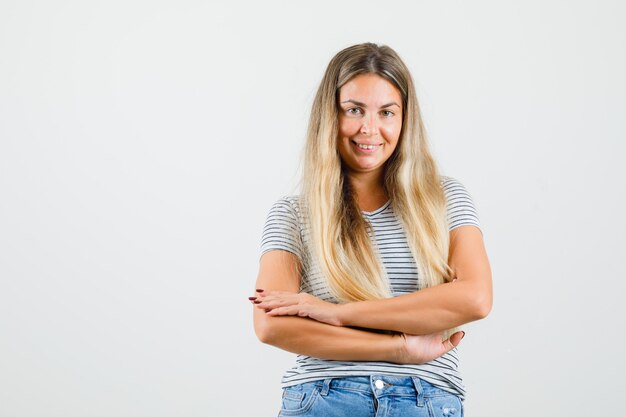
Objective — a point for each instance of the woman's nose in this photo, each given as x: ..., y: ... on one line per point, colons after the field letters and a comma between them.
x: 369, y: 126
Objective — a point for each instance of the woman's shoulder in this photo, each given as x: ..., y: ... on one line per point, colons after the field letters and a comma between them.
x: 283, y: 227
x: 291, y: 200
x: 448, y: 181
x: 459, y: 202
x: 452, y: 186
x: 290, y: 205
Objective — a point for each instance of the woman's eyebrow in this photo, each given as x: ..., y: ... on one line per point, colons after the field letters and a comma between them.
x: 358, y: 103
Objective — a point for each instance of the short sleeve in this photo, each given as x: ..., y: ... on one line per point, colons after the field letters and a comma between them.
x: 282, y: 229
x: 459, y: 204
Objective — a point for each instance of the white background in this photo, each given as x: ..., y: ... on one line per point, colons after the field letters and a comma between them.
x: 142, y: 144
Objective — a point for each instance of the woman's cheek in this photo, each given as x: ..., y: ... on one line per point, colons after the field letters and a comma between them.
x: 349, y: 127
x: 389, y: 133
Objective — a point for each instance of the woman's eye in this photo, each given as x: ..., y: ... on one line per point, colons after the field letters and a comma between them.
x: 387, y: 113
x: 354, y: 110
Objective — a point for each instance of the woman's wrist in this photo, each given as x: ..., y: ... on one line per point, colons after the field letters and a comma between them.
x: 344, y: 314
x: 393, y: 349
x: 398, y: 353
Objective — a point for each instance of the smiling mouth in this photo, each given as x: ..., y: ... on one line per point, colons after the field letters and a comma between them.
x: 366, y: 147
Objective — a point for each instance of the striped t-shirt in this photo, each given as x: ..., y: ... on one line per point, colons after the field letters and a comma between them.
x: 286, y: 228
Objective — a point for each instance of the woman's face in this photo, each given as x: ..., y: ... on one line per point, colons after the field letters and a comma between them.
x: 370, y: 121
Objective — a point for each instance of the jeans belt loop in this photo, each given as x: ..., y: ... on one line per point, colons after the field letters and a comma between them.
x: 419, y: 391
x: 325, y: 387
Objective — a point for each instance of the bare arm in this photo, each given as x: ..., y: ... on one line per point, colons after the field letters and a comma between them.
x: 426, y: 311
x: 280, y: 271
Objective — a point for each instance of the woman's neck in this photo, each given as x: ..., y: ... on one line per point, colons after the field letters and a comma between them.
x: 369, y: 190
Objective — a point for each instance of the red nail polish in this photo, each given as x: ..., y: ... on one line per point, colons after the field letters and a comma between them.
x: 257, y: 302
x: 259, y: 290
x: 251, y: 298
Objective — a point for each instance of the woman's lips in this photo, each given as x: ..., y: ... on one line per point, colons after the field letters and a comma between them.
x: 366, y: 148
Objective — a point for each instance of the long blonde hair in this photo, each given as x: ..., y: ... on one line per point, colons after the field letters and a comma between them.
x: 338, y: 232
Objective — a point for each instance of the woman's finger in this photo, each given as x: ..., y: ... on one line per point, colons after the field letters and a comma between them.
x: 261, y: 295
x: 284, y: 311
x: 285, y: 299
x: 267, y: 293
x: 275, y: 302
x: 455, y: 339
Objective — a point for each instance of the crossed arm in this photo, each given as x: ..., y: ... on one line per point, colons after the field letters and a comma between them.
x: 301, y: 323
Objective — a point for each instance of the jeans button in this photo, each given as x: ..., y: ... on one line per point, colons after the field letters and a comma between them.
x: 379, y: 384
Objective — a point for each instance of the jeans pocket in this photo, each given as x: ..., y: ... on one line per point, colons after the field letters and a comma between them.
x: 298, y: 399
x: 448, y: 405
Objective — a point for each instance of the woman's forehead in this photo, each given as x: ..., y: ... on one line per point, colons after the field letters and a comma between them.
x: 369, y: 89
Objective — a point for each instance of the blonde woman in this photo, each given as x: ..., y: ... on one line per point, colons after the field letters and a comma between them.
x: 368, y: 273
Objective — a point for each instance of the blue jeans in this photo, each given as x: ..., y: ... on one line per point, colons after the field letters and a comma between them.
x: 370, y: 396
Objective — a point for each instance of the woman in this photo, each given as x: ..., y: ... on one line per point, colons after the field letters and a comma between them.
x: 369, y: 271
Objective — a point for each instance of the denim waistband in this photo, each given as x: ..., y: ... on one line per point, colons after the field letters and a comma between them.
x: 383, y: 385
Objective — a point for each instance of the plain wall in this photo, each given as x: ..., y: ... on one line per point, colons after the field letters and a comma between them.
x: 142, y: 144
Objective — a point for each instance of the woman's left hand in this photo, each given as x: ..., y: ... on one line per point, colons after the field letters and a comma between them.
x: 283, y: 303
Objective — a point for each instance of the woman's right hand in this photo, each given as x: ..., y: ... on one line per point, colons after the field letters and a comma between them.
x: 417, y: 349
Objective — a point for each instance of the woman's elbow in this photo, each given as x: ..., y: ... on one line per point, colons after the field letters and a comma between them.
x: 482, y: 304
x: 483, y: 310
x: 263, y: 329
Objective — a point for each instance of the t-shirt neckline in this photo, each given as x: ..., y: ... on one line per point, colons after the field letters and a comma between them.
x: 378, y: 210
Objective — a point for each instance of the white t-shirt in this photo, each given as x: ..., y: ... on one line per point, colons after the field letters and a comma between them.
x: 286, y: 228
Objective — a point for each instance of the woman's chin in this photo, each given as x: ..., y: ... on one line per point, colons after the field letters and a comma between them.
x: 363, y: 168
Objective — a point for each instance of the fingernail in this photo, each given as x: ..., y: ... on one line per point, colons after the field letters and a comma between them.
x: 259, y: 290
x: 257, y: 302
x: 463, y: 335
x: 251, y: 298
